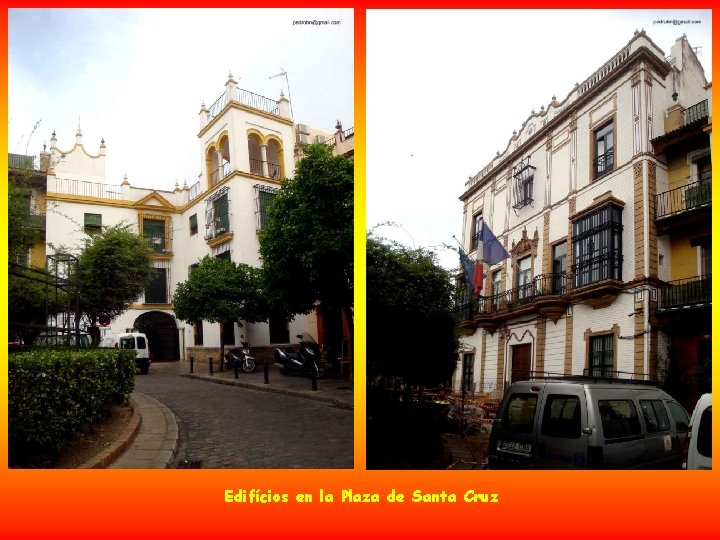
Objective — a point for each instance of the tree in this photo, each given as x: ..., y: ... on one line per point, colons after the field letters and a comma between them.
x: 21, y: 234
x: 32, y: 297
x: 114, y: 268
x: 221, y: 291
x: 412, y: 329
x: 307, y: 246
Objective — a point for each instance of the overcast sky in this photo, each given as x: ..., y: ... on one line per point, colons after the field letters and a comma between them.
x: 446, y: 89
x: 137, y: 78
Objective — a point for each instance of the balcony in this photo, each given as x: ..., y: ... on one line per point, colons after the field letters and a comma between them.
x: 697, y: 112
x: 604, y: 163
x: 548, y: 294
x: 220, y: 173
x: 687, y: 293
x: 683, y: 199
x: 19, y: 161
x: 249, y: 99
x: 684, y: 206
x: 37, y: 221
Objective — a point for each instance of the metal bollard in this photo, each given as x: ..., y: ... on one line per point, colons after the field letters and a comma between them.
x: 313, y: 377
x: 192, y: 361
x: 265, y: 369
x: 236, y: 370
x: 211, y: 365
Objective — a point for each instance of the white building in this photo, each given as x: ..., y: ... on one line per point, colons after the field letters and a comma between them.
x: 572, y: 199
x: 247, y: 144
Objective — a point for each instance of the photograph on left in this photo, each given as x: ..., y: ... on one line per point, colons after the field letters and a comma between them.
x: 180, y: 214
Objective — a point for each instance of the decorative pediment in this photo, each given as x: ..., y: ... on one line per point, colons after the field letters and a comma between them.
x: 525, y: 246
x: 155, y: 200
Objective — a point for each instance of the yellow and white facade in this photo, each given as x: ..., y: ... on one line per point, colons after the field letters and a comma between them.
x: 573, y: 199
x: 247, y: 145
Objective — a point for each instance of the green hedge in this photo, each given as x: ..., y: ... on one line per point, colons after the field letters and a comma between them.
x: 55, y: 394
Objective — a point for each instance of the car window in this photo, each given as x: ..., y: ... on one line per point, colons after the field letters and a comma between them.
x: 619, y: 418
x: 127, y: 342
x: 704, y: 441
x: 561, y: 417
x: 656, y: 419
x: 140, y: 342
x: 519, y: 413
x: 679, y: 415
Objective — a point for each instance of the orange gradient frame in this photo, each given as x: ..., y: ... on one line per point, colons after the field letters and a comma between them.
x: 179, y: 504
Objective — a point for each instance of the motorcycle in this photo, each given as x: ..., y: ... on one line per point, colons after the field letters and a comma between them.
x: 302, y: 362
x: 240, y: 358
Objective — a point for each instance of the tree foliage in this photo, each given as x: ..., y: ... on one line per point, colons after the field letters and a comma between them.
x: 32, y: 297
x: 114, y: 268
x: 21, y: 235
x: 220, y: 291
x: 307, y: 247
x: 412, y: 329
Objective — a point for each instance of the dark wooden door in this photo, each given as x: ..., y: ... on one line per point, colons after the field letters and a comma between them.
x: 521, y: 362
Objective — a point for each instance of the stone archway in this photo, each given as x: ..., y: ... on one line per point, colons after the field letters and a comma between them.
x: 161, y: 330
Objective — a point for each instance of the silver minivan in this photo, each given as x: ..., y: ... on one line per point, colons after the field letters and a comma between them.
x: 587, y: 423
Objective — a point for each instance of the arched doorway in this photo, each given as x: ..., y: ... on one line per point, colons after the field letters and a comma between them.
x: 162, y: 333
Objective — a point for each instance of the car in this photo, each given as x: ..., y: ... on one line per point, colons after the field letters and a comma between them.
x: 581, y: 422
x: 131, y: 340
x: 60, y: 338
x: 698, y: 451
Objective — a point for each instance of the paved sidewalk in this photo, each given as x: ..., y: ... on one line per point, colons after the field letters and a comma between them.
x: 329, y: 389
x: 156, y: 442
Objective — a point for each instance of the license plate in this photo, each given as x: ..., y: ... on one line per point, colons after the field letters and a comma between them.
x: 515, y: 447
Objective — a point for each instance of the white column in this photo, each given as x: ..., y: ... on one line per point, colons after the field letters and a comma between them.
x: 263, y: 157
x: 220, y: 165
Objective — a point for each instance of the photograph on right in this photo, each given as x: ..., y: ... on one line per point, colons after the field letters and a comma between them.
x: 539, y: 240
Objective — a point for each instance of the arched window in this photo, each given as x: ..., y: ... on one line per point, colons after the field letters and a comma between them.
x: 274, y: 158
x: 211, y: 162
x: 254, y: 143
x: 225, y: 153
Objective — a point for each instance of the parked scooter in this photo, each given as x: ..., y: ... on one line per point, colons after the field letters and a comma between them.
x: 240, y: 358
x: 302, y: 362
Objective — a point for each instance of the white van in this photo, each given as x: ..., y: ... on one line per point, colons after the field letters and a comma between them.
x: 587, y: 423
x: 699, y: 444
x: 134, y: 340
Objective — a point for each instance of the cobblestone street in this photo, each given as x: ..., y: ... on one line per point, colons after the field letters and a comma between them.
x: 224, y: 426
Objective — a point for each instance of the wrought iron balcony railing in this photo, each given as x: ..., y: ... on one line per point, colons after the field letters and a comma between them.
x: 194, y: 190
x: 37, y: 221
x: 685, y: 293
x: 248, y: 99
x: 541, y: 286
x: 682, y: 199
x: 696, y: 112
x: 604, y: 163
x: 274, y: 170
x: 256, y: 166
x: 18, y: 161
x: 220, y: 173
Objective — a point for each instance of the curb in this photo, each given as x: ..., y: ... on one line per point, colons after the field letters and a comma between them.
x: 287, y: 391
x: 172, y: 436
x: 107, y: 456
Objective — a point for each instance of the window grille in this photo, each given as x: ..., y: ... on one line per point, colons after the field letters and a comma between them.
x: 264, y: 196
x: 523, y: 175
x: 601, y: 355
x: 597, y: 246
x: 157, y: 291
x: 93, y: 223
